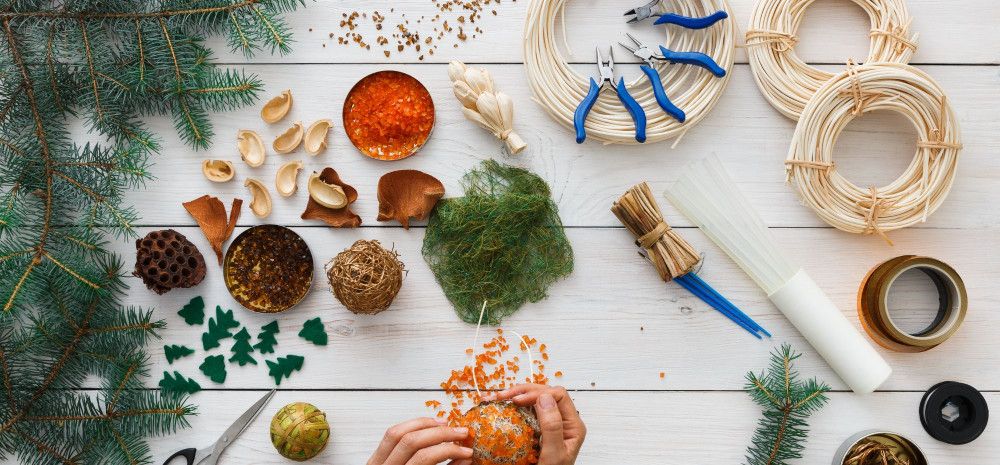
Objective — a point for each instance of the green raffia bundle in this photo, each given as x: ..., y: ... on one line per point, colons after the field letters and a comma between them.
x: 503, y: 243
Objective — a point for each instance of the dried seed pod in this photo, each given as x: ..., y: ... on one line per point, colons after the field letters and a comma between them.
x: 251, y: 147
x: 289, y: 140
x: 339, y: 217
x: 166, y: 260
x: 286, y: 180
x: 314, y: 140
x: 260, y: 202
x: 276, y: 108
x: 218, y: 170
x: 326, y: 194
x: 406, y: 194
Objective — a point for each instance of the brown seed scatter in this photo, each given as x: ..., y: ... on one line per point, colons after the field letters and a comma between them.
x: 426, y: 33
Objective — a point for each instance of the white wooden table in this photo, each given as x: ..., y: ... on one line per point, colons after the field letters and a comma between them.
x: 612, y: 326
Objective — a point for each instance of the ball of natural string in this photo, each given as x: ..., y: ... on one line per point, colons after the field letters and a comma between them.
x: 559, y: 88
x: 786, y: 81
x: 366, y: 277
x: 922, y: 187
x: 299, y: 431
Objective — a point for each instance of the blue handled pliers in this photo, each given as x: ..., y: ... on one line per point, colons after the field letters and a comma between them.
x: 688, y: 58
x: 640, y: 13
x: 607, y: 70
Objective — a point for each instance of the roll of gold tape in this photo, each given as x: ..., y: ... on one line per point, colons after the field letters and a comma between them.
x: 873, y: 304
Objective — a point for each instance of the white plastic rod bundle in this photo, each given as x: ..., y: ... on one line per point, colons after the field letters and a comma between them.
x: 482, y: 103
x: 708, y: 197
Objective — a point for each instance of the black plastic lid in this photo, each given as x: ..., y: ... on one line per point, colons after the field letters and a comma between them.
x: 954, y: 413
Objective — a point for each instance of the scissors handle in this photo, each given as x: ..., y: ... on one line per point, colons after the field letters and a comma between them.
x: 689, y: 22
x: 661, y: 95
x: 693, y: 58
x: 188, y: 455
x: 638, y: 114
x: 580, y: 116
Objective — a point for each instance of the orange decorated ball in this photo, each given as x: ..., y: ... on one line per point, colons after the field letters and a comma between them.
x: 501, y: 433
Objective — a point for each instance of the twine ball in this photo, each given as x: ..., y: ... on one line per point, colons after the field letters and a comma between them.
x: 366, y: 277
x: 299, y: 431
x: 501, y: 433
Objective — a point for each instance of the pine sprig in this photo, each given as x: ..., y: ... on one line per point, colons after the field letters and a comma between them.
x: 787, y: 403
x: 109, y: 64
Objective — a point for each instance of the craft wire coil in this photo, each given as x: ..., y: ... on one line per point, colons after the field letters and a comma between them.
x: 707, y: 195
x: 922, y: 187
x: 786, y: 81
x: 873, y: 304
x: 558, y: 88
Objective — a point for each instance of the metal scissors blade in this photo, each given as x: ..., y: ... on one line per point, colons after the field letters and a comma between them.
x: 237, y: 428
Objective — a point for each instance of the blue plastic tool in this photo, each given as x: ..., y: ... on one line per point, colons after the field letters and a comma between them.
x: 689, y: 22
x: 607, y: 73
x: 704, y: 291
x: 656, y: 81
x: 646, y: 11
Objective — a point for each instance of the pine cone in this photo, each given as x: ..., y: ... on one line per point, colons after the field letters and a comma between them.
x: 167, y: 260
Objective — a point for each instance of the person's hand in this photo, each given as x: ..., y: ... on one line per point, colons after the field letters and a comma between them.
x: 563, y: 430
x: 422, y: 441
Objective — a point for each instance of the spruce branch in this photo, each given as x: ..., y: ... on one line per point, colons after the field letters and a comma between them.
x: 787, y: 404
x: 62, y: 319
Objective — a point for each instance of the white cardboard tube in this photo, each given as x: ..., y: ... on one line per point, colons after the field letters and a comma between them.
x: 831, y: 334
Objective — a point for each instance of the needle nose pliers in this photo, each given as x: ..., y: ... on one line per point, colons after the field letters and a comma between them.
x: 641, y: 13
x: 607, y: 73
x: 650, y: 57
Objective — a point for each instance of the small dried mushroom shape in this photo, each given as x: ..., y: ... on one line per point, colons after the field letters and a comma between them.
x: 251, y: 147
x: 406, y: 194
x: 315, y: 137
x: 326, y: 194
x: 334, y: 217
x: 166, y: 260
x: 260, y: 203
x: 218, y: 170
x: 276, y: 108
x: 289, y: 140
x: 286, y: 180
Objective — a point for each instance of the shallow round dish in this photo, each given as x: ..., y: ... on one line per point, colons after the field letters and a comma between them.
x: 268, y: 268
x: 388, y: 115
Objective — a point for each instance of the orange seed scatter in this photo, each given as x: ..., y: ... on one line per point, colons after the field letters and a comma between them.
x: 388, y: 115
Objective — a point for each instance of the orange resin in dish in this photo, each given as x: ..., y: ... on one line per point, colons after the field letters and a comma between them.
x: 388, y: 115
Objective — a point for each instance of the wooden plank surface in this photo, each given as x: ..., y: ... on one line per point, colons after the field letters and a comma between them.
x: 611, y: 326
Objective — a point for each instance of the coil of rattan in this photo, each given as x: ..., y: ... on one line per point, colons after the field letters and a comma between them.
x: 785, y: 80
x: 922, y: 187
x: 558, y: 88
x: 874, y: 311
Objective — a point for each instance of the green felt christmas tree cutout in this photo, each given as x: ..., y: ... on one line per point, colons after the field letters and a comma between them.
x: 174, y: 352
x: 242, y: 349
x: 314, y: 332
x: 194, y: 312
x: 178, y: 384
x: 267, y: 341
x: 219, y: 328
x: 214, y: 367
x: 284, y: 367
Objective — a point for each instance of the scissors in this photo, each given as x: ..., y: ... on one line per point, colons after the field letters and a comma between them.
x: 210, y: 455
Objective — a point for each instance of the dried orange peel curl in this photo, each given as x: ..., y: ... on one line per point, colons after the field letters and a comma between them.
x: 406, y: 194
x: 335, y: 217
x: 210, y: 213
